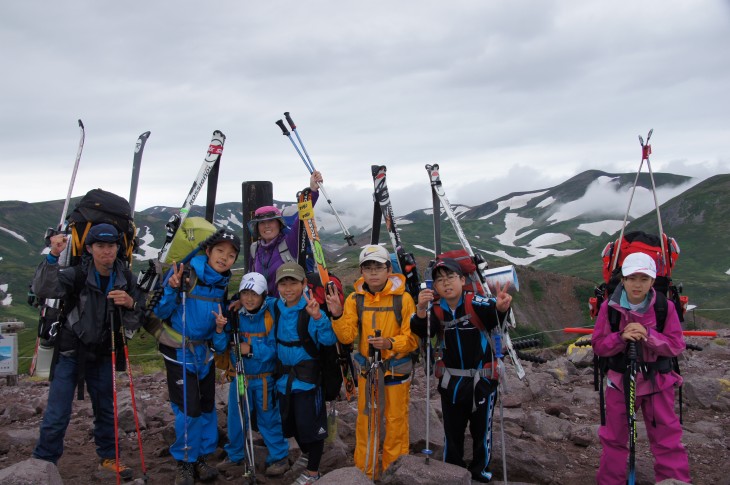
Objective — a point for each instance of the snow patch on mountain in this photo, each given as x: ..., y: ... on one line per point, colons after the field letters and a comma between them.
x: 513, y: 223
x: 535, y: 254
x: 403, y: 222
x: 145, y: 250
x: 513, y: 203
x: 609, y: 226
x: 8, y: 299
x: 548, y: 239
x: 545, y: 202
x: 13, y: 233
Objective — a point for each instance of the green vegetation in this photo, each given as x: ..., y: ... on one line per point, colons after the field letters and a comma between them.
x: 537, y: 290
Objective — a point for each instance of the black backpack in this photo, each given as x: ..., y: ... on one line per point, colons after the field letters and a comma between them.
x: 330, y: 378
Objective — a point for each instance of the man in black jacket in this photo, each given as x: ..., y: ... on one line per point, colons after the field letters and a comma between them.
x: 98, y: 297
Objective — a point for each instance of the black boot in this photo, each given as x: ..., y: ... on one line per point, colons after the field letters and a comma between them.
x: 203, y: 471
x: 184, y: 473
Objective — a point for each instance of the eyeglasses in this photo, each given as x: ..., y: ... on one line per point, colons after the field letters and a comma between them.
x: 373, y: 269
x: 443, y: 279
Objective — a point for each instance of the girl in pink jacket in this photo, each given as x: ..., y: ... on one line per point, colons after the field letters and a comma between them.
x: 634, y: 300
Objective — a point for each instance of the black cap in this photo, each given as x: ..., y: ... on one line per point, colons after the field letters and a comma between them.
x: 102, y: 233
x: 449, y: 264
x: 224, y: 235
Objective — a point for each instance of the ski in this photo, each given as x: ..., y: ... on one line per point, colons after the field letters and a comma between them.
x: 478, y: 276
x: 54, y: 304
x: 148, y: 278
x: 136, y: 165
x: 306, y: 220
x: 383, y: 207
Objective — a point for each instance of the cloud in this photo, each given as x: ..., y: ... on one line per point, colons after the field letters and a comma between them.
x: 505, y: 96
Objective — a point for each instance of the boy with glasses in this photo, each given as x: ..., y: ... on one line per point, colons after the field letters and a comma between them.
x: 379, y: 306
x: 467, y: 372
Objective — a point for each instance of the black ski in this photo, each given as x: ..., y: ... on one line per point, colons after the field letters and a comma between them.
x: 136, y: 165
x: 383, y: 208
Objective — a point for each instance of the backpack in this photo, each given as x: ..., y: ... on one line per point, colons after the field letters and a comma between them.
x: 192, y: 232
x: 397, y: 309
x: 330, y: 376
x: 468, y: 311
x: 618, y: 362
x: 223, y: 360
x: 96, y: 207
x: 467, y: 265
x: 633, y: 242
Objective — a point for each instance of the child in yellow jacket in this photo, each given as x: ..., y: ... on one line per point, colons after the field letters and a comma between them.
x: 379, y: 303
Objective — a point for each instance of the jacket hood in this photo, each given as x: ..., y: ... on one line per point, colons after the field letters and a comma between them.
x: 396, y: 285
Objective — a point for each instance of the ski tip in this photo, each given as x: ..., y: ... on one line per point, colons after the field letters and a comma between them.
x: 81, y: 124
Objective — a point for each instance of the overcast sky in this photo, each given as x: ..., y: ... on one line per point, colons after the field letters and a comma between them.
x: 505, y: 95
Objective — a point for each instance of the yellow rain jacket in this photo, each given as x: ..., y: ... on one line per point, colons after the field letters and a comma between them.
x: 394, y: 416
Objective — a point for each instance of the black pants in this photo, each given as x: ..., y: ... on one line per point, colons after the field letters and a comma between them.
x: 306, y: 421
x: 457, y: 414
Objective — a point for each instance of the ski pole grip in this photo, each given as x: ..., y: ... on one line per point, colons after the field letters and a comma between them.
x: 632, y: 353
x: 290, y: 121
x: 284, y: 131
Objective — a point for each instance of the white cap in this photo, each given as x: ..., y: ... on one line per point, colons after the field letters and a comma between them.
x: 639, y: 263
x: 374, y: 253
x: 254, y: 282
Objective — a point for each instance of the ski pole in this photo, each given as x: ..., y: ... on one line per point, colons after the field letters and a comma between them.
x: 134, y: 402
x: 310, y: 167
x: 242, y: 394
x: 499, y: 356
x: 427, y: 451
x: 185, y: 368
x: 631, y: 409
x: 110, y: 316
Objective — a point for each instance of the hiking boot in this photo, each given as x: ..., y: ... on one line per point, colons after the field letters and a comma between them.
x: 484, y: 476
x: 203, y: 471
x: 227, y: 463
x: 301, y: 464
x: 110, y: 465
x: 184, y: 473
x: 305, y: 478
x: 277, y: 468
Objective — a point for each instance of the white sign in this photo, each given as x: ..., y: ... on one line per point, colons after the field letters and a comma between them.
x: 8, y: 355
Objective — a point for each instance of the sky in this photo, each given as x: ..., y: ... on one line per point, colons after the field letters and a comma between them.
x: 506, y: 96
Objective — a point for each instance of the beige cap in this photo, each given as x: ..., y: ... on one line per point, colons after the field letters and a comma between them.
x: 290, y: 270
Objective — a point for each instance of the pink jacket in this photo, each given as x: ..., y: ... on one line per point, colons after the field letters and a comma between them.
x: 669, y: 343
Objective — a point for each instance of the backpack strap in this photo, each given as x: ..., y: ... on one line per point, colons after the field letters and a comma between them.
x: 305, y: 340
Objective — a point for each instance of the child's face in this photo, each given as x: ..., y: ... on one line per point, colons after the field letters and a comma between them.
x: 637, y: 286
x: 268, y: 230
x: 221, y: 256
x: 375, y: 274
x: 251, y: 300
x: 448, y: 285
x: 290, y: 290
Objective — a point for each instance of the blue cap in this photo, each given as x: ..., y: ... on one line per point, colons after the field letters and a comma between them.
x: 102, y: 233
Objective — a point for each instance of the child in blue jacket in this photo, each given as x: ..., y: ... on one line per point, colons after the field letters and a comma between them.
x: 199, y: 311
x: 301, y: 400
x: 258, y: 350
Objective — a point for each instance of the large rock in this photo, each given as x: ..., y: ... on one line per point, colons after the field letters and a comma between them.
x: 350, y: 476
x: 417, y: 428
x: 31, y: 472
x: 546, y: 426
x: 707, y: 393
x: 412, y: 470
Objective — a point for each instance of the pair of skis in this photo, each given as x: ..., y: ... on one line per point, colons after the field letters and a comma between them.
x: 244, y: 406
x: 501, y: 339
x: 309, y: 226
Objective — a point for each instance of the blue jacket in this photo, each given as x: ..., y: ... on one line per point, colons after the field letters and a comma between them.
x: 320, y: 330
x: 202, y: 300
x: 252, y: 329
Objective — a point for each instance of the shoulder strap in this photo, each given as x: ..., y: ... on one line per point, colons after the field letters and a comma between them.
x: 284, y: 252
x: 303, y: 331
x: 471, y: 313
x: 614, y: 318
x: 268, y: 321
x: 660, y: 310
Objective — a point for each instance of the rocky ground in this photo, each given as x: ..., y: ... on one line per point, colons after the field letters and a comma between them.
x: 550, y: 425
